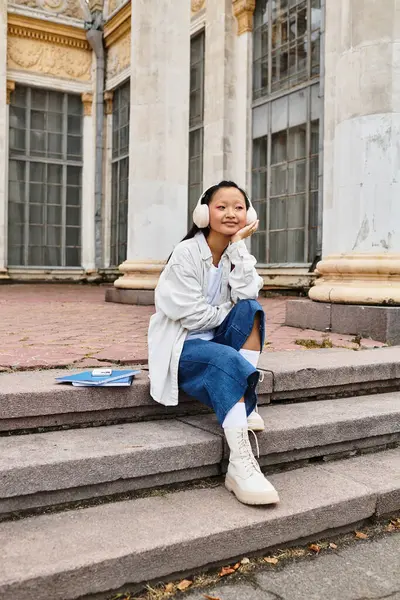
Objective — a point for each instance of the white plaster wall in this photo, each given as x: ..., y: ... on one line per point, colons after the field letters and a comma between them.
x: 3, y: 133
x: 362, y: 127
x: 88, y: 199
x: 243, y: 114
x: 219, y: 93
x: 158, y: 174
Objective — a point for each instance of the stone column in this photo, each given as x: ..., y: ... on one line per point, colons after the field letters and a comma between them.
x: 219, y: 92
x: 88, y: 175
x: 361, y: 218
x: 5, y: 90
x: 108, y: 99
x: 243, y: 11
x: 159, y: 117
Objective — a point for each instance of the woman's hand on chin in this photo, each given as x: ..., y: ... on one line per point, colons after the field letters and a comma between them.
x: 245, y: 232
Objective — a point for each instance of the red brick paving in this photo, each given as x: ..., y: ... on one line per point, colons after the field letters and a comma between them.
x: 59, y: 325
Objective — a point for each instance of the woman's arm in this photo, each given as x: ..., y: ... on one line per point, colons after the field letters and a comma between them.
x: 180, y: 297
x: 244, y: 280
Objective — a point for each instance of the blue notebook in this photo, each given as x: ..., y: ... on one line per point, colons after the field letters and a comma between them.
x: 120, y: 378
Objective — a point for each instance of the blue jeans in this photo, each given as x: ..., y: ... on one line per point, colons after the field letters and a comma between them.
x: 214, y: 372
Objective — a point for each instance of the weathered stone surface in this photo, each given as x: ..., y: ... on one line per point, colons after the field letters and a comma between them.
x: 291, y: 428
x: 140, y: 297
x: 322, y: 368
x: 308, y: 315
x: 70, y: 554
x: 82, y: 457
x: 33, y: 399
x: 380, y: 471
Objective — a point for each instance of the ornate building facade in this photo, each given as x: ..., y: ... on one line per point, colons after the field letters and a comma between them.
x: 114, y: 116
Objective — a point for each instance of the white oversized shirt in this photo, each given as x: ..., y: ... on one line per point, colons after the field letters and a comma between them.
x: 213, y: 295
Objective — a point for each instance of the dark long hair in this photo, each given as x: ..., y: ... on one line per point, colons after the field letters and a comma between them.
x: 206, y: 199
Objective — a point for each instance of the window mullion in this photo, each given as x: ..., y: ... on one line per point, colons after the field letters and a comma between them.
x: 307, y: 183
x: 268, y: 198
x: 27, y: 176
x: 63, y: 249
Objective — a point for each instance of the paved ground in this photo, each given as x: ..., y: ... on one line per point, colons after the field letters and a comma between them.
x: 56, y: 325
x: 368, y: 571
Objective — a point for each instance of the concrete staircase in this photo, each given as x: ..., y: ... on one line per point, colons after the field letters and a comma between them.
x: 87, y: 509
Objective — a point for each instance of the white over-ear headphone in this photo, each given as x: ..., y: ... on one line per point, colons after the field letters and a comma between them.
x: 201, y: 214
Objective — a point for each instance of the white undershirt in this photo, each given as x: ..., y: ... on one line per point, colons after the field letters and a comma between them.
x: 213, y: 296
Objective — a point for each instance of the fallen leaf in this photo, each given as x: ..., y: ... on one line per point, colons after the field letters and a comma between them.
x: 210, y: 597
x: 271, y: 560
x: 226, y: 571
x: 314, y: 548
x: 390, y: 527
x: 361, y: 536
x: 245, y: 561
x: 184, y: 584
x: 169, y: 587
x: 333, y: 546
x: 236, y: 567
x: 395, y: 523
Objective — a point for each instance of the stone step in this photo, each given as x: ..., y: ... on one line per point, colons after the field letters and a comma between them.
x: 40, y: 470
x: 31, y: 399
x: 97, y: 550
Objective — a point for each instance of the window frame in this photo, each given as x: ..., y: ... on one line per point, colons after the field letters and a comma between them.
x: 30, y: 159
x: 196, y: 125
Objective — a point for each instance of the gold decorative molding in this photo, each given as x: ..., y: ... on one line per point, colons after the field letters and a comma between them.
x: 118, y: 25
x: 139, y: 275
x: 87, y: 101
x: 108, y: 99
x: 119, y: 56
x: 244, y: 11
x: 67, y: 8
x: 10, y: 89
x: 197, y: 5
x: 48, y: 59
x: 47, y: 31
x: 358, y: 279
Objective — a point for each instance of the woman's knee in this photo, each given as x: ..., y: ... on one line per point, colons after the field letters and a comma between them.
x: 250, y: 307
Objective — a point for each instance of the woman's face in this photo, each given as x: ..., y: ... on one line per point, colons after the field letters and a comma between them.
x: 228, y: 211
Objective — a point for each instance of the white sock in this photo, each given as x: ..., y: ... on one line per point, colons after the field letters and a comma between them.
x: 252, y: 356
x: 236, y: 417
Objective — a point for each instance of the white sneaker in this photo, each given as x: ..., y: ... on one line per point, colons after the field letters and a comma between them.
x: 244, y: 477
x: 255, y: 422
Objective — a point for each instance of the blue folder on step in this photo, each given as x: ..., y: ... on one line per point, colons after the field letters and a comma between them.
x: 118, y: 378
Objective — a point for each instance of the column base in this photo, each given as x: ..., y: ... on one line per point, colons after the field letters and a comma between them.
x: 139, y: 275
x: 380, y: 323
x: 140, y: 297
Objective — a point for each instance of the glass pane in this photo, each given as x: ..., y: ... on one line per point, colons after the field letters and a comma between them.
x: 38, y: 142
x: 277, y: 247
x: 74, y: 175
x: 295, y: 249
x: 53, y: 236
x: 35, y: 256
x: 258, y: 246
x: 38, y: 120
x: 38, y: 99
x: 37, y: 193
x: 55, y: 122
x: 73, y: 196
x: 16, y: 212
x: 73, y: 215
x: 17, y: 117
x: 277, y: 213
x: 296, y: 211
x: 278, y: 180
x: 278, y: 147
x: 261, y: 210
x: 16, y: 170
x: 16, y: 191
x: 36, y: 235
x: 73, y: 257
x: 74, y: 105
x: 74, y: 146
x: 74, y: 124
x: 54, y: 174
x: 56, y: 101
x: 52, y: 256
x: 54, y: 194
x: 36, y: 214
x: 54, y: 145
x: 18, y: 96
x: 37, y: 172
x: 54, y: 215
x: 73, y: 236
x: 17, y: 141
x: 15, y: 255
